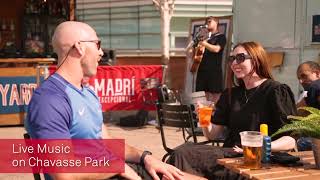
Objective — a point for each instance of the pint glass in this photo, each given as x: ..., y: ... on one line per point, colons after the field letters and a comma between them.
x: 251, y: 142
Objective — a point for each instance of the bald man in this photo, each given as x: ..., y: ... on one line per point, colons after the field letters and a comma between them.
x: 62, y: 108
x: 308, y: 74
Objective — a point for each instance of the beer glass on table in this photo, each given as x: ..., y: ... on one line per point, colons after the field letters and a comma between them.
x: 251, y: 142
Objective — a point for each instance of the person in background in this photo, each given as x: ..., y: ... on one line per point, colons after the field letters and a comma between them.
x: 209, y: 76
x: 63, y: 108
x: 251, y: 98
x: 308, y: 74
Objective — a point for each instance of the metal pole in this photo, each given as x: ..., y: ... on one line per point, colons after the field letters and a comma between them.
x: 38, y: 75
x: 164, y: 71
x: 71, y: 10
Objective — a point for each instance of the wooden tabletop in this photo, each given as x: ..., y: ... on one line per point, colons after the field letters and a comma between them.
x: 274, y: 171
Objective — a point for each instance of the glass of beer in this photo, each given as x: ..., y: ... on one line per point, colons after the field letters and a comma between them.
x: 251, y: 142
x: 205, y: 113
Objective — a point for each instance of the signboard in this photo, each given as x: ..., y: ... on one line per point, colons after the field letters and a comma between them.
x: 316, y: 28
x: 119, y: 87
x: 15, y: 93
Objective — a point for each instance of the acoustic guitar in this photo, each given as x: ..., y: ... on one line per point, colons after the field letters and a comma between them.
x: 198, y: 51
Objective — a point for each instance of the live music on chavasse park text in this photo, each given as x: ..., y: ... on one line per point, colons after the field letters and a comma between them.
x: 51, y: 158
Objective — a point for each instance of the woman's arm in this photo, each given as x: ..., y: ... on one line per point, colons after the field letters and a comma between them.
x: 284, y: 143
x: 213, y: 131
x: 211, y: 47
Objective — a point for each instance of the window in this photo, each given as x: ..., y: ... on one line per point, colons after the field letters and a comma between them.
x: 122, y: 24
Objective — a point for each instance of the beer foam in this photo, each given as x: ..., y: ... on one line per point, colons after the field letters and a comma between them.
x: 251, y: 144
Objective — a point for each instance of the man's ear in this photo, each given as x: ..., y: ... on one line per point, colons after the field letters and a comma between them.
x: 79, y: 48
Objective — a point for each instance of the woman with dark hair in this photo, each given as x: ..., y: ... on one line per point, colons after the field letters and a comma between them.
x: 251, y: 98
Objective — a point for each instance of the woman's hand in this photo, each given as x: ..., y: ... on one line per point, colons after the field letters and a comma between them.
x: 203, y: 43
x: 237, y: 149
x: 198, y: 106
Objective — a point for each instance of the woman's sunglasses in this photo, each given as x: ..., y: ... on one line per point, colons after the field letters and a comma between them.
x: 239, y: 58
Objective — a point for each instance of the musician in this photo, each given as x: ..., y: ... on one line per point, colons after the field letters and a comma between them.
x: 209, y: 76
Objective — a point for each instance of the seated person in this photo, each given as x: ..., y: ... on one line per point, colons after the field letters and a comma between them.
x: 63, y: 108
x: 253, y: 99
x: 308, y: 74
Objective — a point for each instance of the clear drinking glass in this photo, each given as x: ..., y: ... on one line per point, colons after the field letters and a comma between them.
x: 251, y: 142
x: 205, y: 112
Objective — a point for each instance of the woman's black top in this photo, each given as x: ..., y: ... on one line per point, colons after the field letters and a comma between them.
x: 270, y: 103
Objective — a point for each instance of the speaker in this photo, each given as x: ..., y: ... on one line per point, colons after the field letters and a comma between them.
x: 138, y: 120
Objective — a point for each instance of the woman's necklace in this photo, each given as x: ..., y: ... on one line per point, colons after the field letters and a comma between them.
x: 249, y: 97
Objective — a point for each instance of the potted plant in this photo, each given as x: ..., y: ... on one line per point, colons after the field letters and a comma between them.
x: 308, y: 126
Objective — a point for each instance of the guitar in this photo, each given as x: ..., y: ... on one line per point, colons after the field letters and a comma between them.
x: 198, y: 51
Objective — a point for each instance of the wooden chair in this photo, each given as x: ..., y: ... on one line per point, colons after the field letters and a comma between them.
x: 36, y: 176
x: 179, y: 116
x: 198, y: 132
x: 163, y: 94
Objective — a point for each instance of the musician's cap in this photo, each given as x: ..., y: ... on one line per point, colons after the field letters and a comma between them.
x: 212, y: 18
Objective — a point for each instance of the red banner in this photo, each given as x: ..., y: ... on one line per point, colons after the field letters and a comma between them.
x: 119, y: 87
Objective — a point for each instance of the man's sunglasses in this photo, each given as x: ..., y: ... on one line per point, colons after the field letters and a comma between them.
x: 240, y: 58
x: 98, y: 43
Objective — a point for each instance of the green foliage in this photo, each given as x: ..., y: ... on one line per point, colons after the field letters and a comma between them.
x: 306, y: 126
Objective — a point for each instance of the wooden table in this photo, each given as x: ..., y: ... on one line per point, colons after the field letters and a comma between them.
x: 274, y: 171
